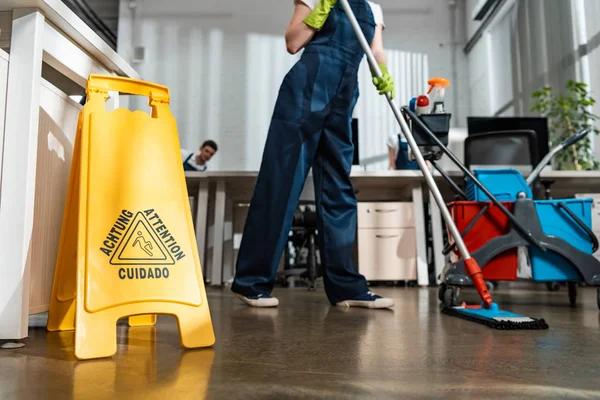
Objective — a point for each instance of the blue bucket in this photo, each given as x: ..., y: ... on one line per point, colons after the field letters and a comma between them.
x: 555, y: 221
x: 504, y: 184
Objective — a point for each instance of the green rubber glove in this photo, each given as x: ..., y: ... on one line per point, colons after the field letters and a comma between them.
x: 319, y: 15
x: 385, y: 84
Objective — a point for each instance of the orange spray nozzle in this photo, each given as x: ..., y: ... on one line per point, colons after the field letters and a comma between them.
x: 433, y: 82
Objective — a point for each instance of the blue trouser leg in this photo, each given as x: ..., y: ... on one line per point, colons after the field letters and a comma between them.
x: 336, y: 210
x: 286, y: 162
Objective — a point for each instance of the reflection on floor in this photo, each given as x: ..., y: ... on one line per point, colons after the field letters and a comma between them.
x: 308, y: 349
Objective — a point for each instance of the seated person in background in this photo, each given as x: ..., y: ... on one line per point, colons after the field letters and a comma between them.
x: 398, y: 152
x: 199, y: 161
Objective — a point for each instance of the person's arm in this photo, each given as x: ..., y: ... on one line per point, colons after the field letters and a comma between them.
x: 392, y: 145
x: 392, y: 158
x: 377, y: 46
x: 385, y: 84
x: 298, y: 33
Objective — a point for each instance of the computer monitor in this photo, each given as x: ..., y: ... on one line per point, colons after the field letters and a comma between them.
x: 477, y: 125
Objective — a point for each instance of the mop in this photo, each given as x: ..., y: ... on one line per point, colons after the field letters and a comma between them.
x: 487, y: 313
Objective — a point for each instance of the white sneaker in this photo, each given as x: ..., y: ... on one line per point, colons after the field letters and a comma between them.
x: 261, y: 301
x: 367, y: 300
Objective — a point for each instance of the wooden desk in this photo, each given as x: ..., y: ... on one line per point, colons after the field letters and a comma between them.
x: 236, y: 187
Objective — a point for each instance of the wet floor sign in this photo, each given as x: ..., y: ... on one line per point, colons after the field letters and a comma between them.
x: 127, y: 246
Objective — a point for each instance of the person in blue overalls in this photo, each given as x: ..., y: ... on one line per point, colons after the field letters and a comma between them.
x: 311, y: 127
x: 398, y: 154
x: 198, y: 161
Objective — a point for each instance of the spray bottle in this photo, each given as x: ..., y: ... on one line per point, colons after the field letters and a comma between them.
x: 422, y: 105
x: 436, y: 93
x: 413, y: 104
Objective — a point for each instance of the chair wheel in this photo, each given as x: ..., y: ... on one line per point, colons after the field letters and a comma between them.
x: 553, y: 286
x: 572, y: 286
x: 490, y: 286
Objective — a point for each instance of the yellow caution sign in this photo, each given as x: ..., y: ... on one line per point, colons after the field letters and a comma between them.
x: 127, y: 246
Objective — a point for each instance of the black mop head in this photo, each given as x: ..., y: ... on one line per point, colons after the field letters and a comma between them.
x: 495, y: 318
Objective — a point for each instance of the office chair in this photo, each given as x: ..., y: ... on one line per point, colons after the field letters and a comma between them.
x: 303, y: 236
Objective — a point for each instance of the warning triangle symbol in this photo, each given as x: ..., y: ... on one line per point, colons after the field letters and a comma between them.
x: 141, y: 246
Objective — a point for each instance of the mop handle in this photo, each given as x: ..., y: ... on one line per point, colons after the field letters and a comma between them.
x: 471, y: 266
x: 409, y: 137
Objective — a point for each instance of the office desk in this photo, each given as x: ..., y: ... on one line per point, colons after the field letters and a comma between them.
x: 569, y: 183
x: 198, y: 188
x: 236, y: 187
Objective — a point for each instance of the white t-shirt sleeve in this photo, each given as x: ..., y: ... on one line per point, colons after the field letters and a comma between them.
x: 188, y: 158
x: 310, y: 3
x: 377, y: 13
x: 185, y: 154
x: 392, y: 142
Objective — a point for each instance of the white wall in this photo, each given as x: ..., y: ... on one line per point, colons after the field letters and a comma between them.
x: 525, y: 48
x: 224, y: 72
x: 223, y: 85
x: 472, y: 25
x: 592, y: 29
x: 539, y: 42
x: 480, y: 78
x: 376, y: 121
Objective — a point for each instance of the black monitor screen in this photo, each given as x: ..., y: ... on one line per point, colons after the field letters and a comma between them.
x: 478, y: 125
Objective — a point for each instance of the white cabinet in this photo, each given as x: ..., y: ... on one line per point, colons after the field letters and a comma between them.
x: 387, y: 241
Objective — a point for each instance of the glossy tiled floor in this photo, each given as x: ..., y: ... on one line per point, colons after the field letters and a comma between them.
x: 306, y: 349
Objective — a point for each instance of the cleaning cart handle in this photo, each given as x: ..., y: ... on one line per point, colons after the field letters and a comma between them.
x: 575, y: 138
x: 582, y: 224
x: 106, y: 83
x: 557, y: 149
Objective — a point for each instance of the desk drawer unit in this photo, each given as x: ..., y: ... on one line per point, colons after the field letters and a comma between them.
x: 387, y: 241
x: 385, y: 215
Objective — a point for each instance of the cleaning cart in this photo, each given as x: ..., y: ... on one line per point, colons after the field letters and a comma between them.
x: 498, y: 233
x: 488, y: 312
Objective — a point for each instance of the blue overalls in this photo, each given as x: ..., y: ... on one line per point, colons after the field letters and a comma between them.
x: 402, y: 160
x: 186, y: 166
x: 310, y: 127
